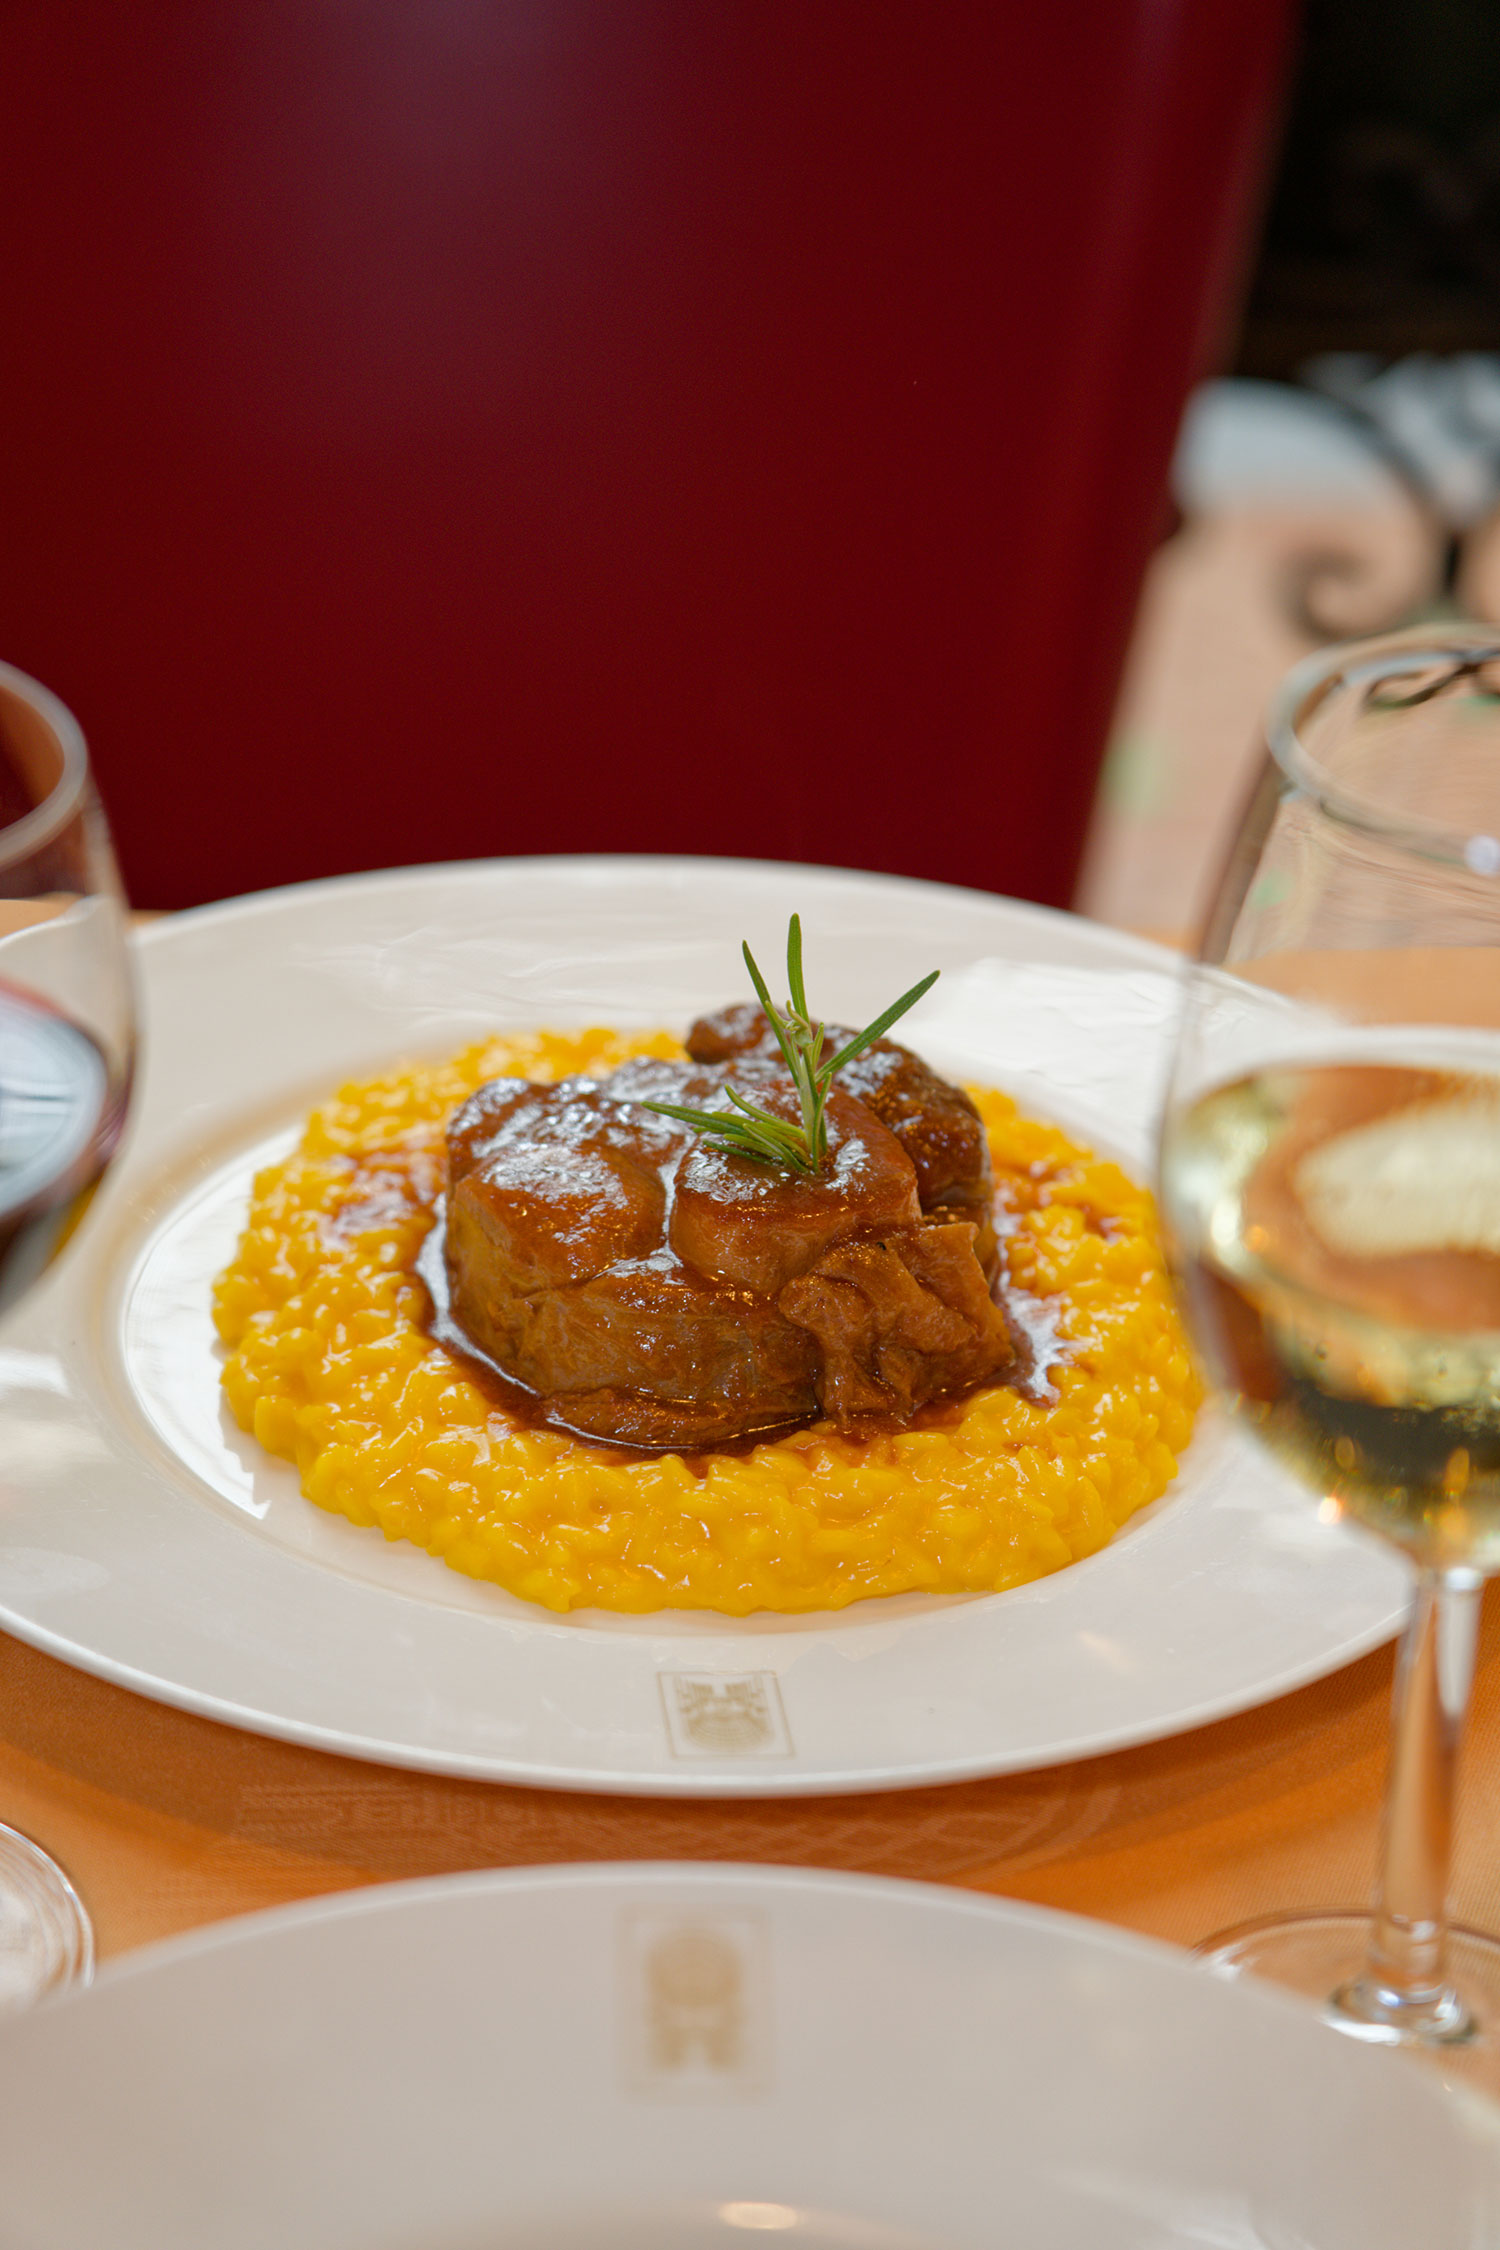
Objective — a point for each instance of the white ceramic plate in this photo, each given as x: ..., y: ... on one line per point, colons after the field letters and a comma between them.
x: 683, y: 2058
x: 145, y: 1539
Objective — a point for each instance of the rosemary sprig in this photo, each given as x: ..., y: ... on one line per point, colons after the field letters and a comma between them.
x: 750, y: 1130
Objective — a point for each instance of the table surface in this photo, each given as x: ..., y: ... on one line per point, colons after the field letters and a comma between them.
x: 167, y: 1821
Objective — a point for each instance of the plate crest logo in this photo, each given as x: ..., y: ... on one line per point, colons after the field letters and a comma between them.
x: 694, y: 2003
x: 724, y: 1715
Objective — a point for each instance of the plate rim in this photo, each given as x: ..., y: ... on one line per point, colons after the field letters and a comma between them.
x: 160, y: 926
x: 411, y: 1893
x: 686, y: 1781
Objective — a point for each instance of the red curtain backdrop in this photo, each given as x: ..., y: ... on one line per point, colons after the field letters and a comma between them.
x: 434, y: 428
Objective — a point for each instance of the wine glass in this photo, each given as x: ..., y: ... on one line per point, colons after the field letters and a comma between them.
x: 1331, y: 1188
x: 67, y: 1044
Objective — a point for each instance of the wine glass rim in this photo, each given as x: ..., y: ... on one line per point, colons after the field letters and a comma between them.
x: 1398, y: 655
x: 57, y: 808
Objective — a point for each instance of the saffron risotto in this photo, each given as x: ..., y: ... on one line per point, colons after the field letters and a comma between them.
x: 330, y: 1366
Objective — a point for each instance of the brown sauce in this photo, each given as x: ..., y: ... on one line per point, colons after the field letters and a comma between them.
x: 1032, y: 1321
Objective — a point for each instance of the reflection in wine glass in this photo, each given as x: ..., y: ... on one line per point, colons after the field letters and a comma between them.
x: 1331, y: 1185
x: 67, y: 1044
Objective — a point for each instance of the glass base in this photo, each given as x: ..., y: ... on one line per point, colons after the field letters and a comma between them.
x: 1322, y: 1957
x: 46, y: 1941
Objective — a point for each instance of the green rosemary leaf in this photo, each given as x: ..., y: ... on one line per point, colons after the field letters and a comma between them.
x: 779, y: 1129
x: 706, y: 1120
x: 773, y: 1140
x: 748, y: 1139
x: 759, y: 982
x: 881, y: 1025
x: 763, y: 1116
x: 772, y: 1012
x: 794, y: 966
x: 809, y: 1093
x: 791, y: 1038
x: 754, y: 1131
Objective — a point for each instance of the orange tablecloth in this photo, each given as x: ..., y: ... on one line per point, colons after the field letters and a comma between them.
x: 167, y: 1821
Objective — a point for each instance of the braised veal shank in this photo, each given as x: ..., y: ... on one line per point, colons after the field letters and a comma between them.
x: 653, y: 1290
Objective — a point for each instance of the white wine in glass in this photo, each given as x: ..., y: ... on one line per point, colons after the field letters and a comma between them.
x: 1330, y: 1175
x: 1341, y: 1248
x: 67, y: 1047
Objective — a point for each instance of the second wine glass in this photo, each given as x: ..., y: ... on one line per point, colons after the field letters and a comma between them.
x: 1331, y: 1186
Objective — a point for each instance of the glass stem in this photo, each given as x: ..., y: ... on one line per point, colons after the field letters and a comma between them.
x: 1404, y: 1984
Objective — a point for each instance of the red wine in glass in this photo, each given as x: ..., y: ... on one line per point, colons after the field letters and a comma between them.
x: 62, y: 1110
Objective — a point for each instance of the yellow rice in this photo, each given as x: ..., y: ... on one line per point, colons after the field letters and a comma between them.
x: 328, y: 1364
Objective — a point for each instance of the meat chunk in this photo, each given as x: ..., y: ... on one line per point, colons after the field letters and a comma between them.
x: 757, y: 1227
x: 936, y: 1123
x: 562, y: 1181
x: 885, y: 1314
x: 653, y: 1290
